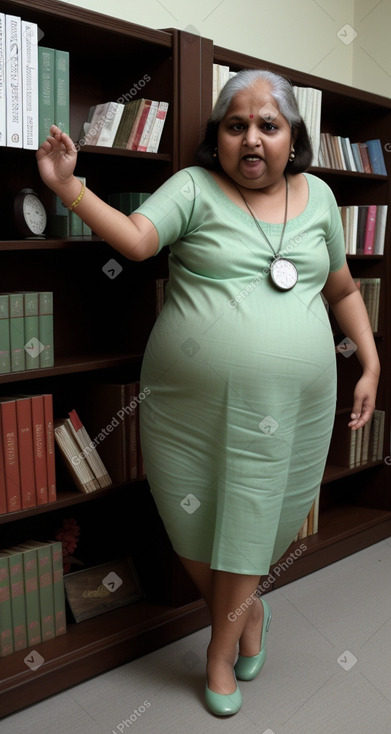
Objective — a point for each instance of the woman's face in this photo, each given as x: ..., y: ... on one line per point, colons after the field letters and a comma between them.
x: 254, y: 140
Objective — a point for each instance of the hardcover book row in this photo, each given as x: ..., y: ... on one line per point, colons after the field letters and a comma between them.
x: 32, y: 598
x: 27, y: 458
x: 26, y: 331
x: 364, y: 228
x: 135, y: 125
x: 34, y: 85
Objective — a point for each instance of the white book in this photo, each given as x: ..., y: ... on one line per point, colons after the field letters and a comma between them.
x: 157, y: 128
x: 112, y: 118
x: 3, y: 113
x: 380, y: 230
x: 13, y: 78
x: 30, y: 85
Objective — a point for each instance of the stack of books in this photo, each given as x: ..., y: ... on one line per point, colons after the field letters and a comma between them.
x: 339, y: 153
x: 27, y: 461
x: 32, y: 598
x: 370, y: 291
x: 80, y: 454
x: 364, y: 228
x: 135, y: 125
x: 34, y: 85
x: 26, y: 331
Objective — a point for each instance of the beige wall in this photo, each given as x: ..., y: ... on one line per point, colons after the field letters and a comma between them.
x: 342, y: 40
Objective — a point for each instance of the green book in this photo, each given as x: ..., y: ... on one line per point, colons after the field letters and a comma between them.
x: 5, y: 346
x: 6, y: 633
x: 61, y: 90
x: 45, y: 584
x: 18, y: 358
x: 58, y: 590
x: 31, y: 592
x: 46, y: 62
x: 19, y: 620
x: 46, y: 357
x: 31, y: 330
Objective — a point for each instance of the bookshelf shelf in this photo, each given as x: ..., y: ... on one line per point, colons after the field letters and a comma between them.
x: 101, y: 327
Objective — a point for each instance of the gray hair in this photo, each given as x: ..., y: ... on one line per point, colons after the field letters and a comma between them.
x: 281, y: 90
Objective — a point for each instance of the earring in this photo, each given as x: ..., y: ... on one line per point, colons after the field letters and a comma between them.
x: 215, y: 153
x: 292, y: 155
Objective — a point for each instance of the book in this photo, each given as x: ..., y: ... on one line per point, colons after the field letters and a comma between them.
x: 74, y: 459
x: 5, y: 343
x: 110, y: 125
x: 17, y: 340
x: 50, y: 446
x: 26, y: 451
x: 45, y: 586
x: 370, y: 227
x: 39, y: 448
x: 88, y: 449
x: 61, y: 90
x: 376, y: 157
x: 157, y: 128
x: 19, y: 619
x: 13, y: 81
x: 3, y: 110
x: 142, y: 111
x: 30, y: 112
x: 126, y: 123
x: 31, y: 330
x: 31, y: 594
x: 45, y: 320
x: 6, y: 626
x: 146, y: 131
x: 46, y: 63
x: 10, y: 449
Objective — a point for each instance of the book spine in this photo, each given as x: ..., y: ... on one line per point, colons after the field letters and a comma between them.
x: 46, y: 357
x: 9, y: 436
x: 6, y: 633
x: 33, y: 612
x: 5, y: 346
x: 363, y: 148
x: 157, y: 128
x: 146, y: 133
x: 26, y: 452
x: 39, y: 444
x: 370, y: 230
x: 31, y: 330
x: 18, y: 359
x: 13, y: 72
x: 19, y: 621
x: 50, y: 447
x: 3, y: 488
x: 45, y: 573
x: 46, y: 90
x: 58, y: 590
x: 61, y: 90
x: 3, y: 112
x: 30, y: 84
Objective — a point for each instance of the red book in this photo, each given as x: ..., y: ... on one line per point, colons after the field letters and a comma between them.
x: 138, y: 125
x: 370, y: 228
x: 3, y: 493
x: 39, y: 445
x: 50, y: 444
x: 26, y: 452
x: 363, y: 148
x: 9, y: 441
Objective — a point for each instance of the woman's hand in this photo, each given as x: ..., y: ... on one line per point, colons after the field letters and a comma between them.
x: 364, y: 401
x: 56, y: 159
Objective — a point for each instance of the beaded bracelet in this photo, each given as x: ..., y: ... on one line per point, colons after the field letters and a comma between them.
x: 77, y: 201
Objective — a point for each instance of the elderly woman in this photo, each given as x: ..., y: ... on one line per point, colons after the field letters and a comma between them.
x: 241, y: 361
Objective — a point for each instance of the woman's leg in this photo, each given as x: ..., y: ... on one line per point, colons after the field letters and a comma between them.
x: 225, y: 593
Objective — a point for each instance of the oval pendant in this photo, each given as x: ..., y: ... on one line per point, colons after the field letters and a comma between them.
x: 283, y: 273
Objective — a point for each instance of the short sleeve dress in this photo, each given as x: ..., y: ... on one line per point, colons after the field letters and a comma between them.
x: 236, y: 426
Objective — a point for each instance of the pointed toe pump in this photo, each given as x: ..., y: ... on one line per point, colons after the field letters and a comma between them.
x: 247, y: 668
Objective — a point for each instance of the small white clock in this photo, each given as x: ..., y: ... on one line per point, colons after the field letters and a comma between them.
x: 30, y: 214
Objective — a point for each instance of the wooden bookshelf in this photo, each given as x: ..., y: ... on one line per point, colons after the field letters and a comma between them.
x: 101, y: 329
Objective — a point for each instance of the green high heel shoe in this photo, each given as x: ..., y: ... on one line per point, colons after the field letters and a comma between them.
x: 223, y: 704
x: 247, y: 668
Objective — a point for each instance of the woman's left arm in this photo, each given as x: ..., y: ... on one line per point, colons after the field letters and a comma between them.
x: 349, y: 309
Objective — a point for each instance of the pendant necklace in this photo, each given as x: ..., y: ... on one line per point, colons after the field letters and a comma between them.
x: 283, y: 272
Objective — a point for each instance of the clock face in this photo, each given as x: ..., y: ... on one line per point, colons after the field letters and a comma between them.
x: 283, y: 273
x: 34, y: 214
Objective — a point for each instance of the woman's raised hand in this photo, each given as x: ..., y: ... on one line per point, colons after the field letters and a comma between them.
x: 56, y: 159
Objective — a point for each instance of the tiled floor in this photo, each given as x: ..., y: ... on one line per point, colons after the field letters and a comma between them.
x: 328, y: 670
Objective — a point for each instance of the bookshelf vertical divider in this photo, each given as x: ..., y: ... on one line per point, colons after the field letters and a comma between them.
x: 357, y: 505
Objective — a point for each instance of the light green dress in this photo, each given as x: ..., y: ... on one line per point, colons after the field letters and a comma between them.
x: 236, y: 429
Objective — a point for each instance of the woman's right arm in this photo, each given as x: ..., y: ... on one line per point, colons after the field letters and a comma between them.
x: 135, y: 236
